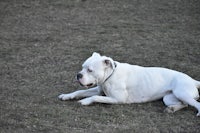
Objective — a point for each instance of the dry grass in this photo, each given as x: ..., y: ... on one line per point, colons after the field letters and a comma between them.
x: 43, y: 44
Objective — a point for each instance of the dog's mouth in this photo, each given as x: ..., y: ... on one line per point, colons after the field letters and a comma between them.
x: 90, y: 85
x: 87, y: 86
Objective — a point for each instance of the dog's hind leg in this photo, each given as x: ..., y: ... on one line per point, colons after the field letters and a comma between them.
x: 188, y: 94
x: 172, y: 103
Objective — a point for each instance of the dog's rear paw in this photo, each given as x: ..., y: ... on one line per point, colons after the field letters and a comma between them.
x: 65, y: 97
x: 198, y: 114
x: 169, y: 110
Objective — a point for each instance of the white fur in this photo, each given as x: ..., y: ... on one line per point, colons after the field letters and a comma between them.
x: 135, y: 84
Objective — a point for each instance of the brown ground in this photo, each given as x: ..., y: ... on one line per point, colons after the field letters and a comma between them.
x: 44, y: 42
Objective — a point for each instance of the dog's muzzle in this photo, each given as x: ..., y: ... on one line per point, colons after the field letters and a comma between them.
x: 80, y: 76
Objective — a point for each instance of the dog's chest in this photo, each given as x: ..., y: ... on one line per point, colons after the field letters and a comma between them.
x: 107, y: 89
x: 111, y: 90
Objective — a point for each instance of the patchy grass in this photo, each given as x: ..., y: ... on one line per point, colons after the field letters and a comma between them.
x: 44, y: 42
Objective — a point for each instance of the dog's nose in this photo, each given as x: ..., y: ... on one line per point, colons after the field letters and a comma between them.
x: 79, y: 76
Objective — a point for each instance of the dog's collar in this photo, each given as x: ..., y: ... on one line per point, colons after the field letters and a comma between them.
x: 115, y: 65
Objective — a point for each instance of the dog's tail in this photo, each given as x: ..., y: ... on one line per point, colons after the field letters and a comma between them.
x: 197, y: 83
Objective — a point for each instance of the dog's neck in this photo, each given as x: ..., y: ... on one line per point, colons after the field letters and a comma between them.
x: 113, y: 70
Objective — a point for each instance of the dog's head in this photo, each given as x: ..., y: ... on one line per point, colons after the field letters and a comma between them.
x: 95, y: 70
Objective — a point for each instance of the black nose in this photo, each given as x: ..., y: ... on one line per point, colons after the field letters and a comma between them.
x: 79, y: 76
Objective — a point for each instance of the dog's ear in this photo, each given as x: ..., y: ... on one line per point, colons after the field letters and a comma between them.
x: 95, y: 54
x: 109, y: 62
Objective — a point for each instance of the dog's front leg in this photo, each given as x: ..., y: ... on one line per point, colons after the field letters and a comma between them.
x: 81, y: 93
x: 99, y: 99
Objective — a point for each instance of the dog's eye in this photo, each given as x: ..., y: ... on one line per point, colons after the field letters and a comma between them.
x: 89, y: 70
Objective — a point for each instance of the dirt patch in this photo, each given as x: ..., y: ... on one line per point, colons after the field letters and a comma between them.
x: 44, y: 42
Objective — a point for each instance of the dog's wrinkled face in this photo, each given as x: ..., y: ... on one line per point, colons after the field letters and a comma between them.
x: 94, y: 70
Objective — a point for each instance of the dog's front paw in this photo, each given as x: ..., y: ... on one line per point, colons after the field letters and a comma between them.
x: 65, y: 97
x: 86, y: 101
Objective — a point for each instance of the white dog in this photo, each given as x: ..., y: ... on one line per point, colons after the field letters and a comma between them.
x: 124, y: 83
